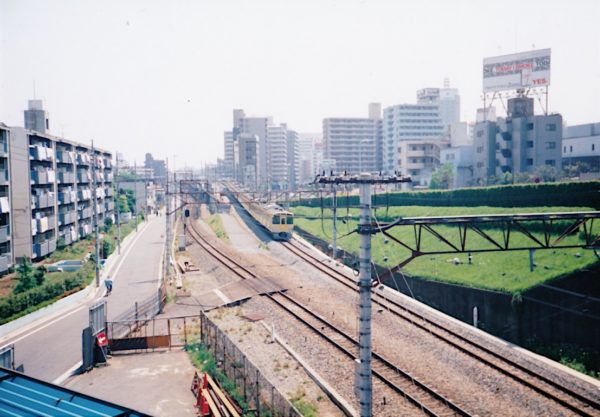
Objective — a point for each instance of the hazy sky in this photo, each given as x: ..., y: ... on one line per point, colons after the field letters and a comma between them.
x: 164, y: 76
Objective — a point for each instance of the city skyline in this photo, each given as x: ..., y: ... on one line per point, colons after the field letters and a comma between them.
x: 156, y: 77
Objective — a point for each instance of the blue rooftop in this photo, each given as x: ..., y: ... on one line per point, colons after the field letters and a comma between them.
x: 23, y: 396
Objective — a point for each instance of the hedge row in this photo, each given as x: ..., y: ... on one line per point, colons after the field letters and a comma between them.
x: 19, y: 303
x: 575, y: 194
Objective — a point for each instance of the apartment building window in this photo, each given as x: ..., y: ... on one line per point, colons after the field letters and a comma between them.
x: 530, y: 144
x: 497, y: 146
x: 529, y: 126
x: 571, y: 148
x: 550, y: 162
x: 550, y: 145
x: 414, y: 148
x: 479, y: 149
x: 479, y: 133
x: 479, y: 164
x: 551, y: 127
x: 593, y: 146
x: 564, y: 149
x: 529, y: 161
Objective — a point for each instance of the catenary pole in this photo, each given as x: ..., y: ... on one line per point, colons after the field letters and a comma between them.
x: 365, y: 387
x: 95, y: 208
x: 117, y: 206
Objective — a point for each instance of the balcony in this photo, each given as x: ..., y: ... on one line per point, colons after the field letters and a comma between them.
x: 66, y: 237
x: 85, y: 213
x: 66, y: 177
x: 4, y: 177
x: 65, y: 157
x: 83, y: 177
x: 4, y: 263
x: 51, y: 245
x: 41, y: 153
x: 83, y: 159
x: 3, y: 150
x: 507, y: 153
x: 40, y: 249
x: 41, y: 177
x: 109, y: 191
x: 66, y: 197
x: 85, y: 230
x: 42, y: 200
x: 4, y: 234
x: 83, y: 195
x: 110, y: 205
x: 108, y: 177
x: 67, y: 217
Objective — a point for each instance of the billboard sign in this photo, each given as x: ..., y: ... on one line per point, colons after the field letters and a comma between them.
x: 522, y: 70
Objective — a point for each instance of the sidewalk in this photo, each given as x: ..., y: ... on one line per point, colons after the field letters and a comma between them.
x: 154, y: 383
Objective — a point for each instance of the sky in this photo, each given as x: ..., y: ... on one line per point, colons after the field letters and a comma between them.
x: 164, y: 76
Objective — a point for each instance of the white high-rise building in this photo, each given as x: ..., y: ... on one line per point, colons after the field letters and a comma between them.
x: 353, y: 141
x: 306, y: 152
x: 408, y: 122
x: 228, y: 154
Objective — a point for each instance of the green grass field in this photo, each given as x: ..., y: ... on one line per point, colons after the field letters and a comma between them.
x: 502, y: 271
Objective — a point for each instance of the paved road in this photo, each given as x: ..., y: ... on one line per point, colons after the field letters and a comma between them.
x: 49, y: 350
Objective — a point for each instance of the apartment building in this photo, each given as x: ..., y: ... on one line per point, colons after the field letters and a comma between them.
x: 352, y: 142
x: 581, y: 145
x: 519, y: 143
x: 5, y: 207
x: 52, y: 191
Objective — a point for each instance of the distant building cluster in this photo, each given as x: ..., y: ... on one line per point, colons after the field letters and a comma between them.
x: 417, y: 140
x: 49, y: 189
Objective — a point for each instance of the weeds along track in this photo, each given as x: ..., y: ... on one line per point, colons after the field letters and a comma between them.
x: 421, y: 396
x: 552, y: 390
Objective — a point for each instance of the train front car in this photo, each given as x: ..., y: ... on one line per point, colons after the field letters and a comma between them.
x: 281, y: 224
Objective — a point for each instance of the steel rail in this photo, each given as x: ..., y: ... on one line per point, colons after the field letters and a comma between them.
x: 438, y: 331
x: 220, y: 256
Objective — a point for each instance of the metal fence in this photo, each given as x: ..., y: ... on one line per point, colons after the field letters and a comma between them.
x: 154, y: 333
x: 139, y: 313
x: 7, y: 357
x: 261, y: 396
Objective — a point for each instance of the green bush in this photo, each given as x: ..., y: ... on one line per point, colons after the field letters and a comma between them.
x: 553, y: 194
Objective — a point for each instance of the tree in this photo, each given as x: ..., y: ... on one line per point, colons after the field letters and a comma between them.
x: 547, y: 173
x: 108, y: 222
x: 443, y: 177
x: 25, y: 276
x: 39, y: 275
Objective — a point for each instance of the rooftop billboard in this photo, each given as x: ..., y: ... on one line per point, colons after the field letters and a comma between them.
x: 522, y: 70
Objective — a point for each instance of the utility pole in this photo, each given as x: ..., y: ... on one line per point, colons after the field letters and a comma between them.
x: 168, y: 228
x: 135, y: 196
x: 334, y: 233
x: 363, y: 381
x: 117, y: 206
x: 95, y: 208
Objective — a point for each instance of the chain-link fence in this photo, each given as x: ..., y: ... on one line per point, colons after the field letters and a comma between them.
x: 258, y: 393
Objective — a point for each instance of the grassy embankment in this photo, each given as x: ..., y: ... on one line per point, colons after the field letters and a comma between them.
x: 502, y: 271
x: 215, y: 223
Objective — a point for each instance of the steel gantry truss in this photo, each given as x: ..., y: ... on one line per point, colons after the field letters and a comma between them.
x: 542, y: 230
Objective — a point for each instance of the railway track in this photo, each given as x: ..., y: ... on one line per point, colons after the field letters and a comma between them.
x: 421, y: 396
x: 541, y: 384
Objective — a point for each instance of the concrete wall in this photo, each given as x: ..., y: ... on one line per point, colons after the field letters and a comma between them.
x: 20, y: 193
x: 557, y: 313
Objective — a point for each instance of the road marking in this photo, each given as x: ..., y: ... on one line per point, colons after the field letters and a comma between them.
x: 222, y: 296
x: 68, y: 373
x: 64, y: 316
